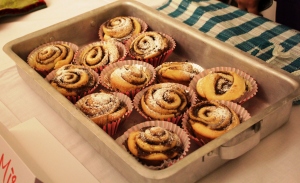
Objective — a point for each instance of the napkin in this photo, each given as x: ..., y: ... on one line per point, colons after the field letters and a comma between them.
x: 20, y: 7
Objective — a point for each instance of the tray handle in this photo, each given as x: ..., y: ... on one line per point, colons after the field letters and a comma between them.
x: 234, y: 151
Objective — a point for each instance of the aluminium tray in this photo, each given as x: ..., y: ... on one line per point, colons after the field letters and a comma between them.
x: 269, y: 109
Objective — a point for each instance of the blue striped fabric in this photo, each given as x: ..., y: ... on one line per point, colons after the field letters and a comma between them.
x: 253, y: 34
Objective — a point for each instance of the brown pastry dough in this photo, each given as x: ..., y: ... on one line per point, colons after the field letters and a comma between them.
x: 130, y: 77
x: 221, y: 85
x: 165, y: 100
x: 210, y: 119
x: 148, y: 45
x: 98, y: 54
x: 152, y: 145
x: 73, y: 80
x: 178, y: 72
x: 102, y: 107
x: 49, y: 57
x: 120, y: 28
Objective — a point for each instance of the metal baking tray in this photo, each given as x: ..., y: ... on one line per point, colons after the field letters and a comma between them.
x: 270, y: 108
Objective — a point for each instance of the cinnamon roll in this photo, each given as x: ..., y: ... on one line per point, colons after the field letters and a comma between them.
x: 221, y: 85
x: 178, y: 72
x: 98, y: 54
x: 163, y: 101
x: 148, y: 45
x: 102, y: 107
x: 121, y: 28
x: 73, y: 80
x: 211, y: 119
x: 130, y: 77
x: 51, y: 56
x: 152, y: 145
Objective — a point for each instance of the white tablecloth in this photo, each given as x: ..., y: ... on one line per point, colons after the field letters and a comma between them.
x: 275, y: 159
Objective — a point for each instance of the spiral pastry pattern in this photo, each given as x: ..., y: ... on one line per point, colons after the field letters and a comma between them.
x: 221, y: 85
x: 154, y: 144
x: 73, y: 80
x: 211, y: 119
x: 98, y: 54
x: 163, y: 101
x: 102, y: 107
x: 148, y: 45
x: 130, y: 77
x: 49, y: 57
x: 179, y: 72
x: 121, y: 28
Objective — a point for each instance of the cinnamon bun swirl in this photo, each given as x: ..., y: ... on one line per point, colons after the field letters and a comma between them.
x: 211, y: 119
x: 73, y: 80
x: 148, y: 45
x: 102, y: 107
x: 130, y: 77
x: 165, y: 100
x: 121, y: 28
x: 51, y: 56
x: 152, y: 145
x: 178, y: 72
x: 221, y: 85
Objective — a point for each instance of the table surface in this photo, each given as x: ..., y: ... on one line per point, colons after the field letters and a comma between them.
x: 274, y: 159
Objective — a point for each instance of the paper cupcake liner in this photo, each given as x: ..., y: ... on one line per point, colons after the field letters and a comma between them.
x: 250, y: 81
x: 105, y: 75
x: 176, y: 119
x: 158, y: 60
x: 74, y: 99
x: 144, y: 27
x: 166, y: 125
x: 238, y: 109
x: 159, y: 79
x: 32, y: 54
x: 121, y: 48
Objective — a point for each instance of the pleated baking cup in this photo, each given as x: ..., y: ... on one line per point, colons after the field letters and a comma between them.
x: 161, y: 79
x: 192, y: 98
x: 43, y: 71
x: 78, y: 60
x: 75, y: 98
x: 251, y: 82
x: 242, y: 113
x: 157, y: 60
x: 144, y: 27
x: 106, y: 74
x: 166, y: 125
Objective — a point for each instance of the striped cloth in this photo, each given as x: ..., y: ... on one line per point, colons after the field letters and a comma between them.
x: 271, y: 42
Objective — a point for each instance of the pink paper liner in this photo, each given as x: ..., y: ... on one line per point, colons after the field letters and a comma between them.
x: 176, y: 119
x: 158, y: 60
x: 105, y: 74
x: 120, y: 46
x: 238, y: 109
x: 195, y: 66
x: 247, y: 95
x: 123, y: 40
x: 44, y: 73
x: 166, y: 125
x: 74, y: 99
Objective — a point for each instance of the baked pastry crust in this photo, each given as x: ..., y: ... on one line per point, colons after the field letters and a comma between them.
x: 74, y: 80
x: 221, y: 85
x: 51, y: 56
x: 165, y: 100
x: 121, y: 28
x: 130, y: 77
x: 178, y: 72
x: 148, y: 45
x: 153, y: 144
x: 102, y: 107
x: 211, y: 119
